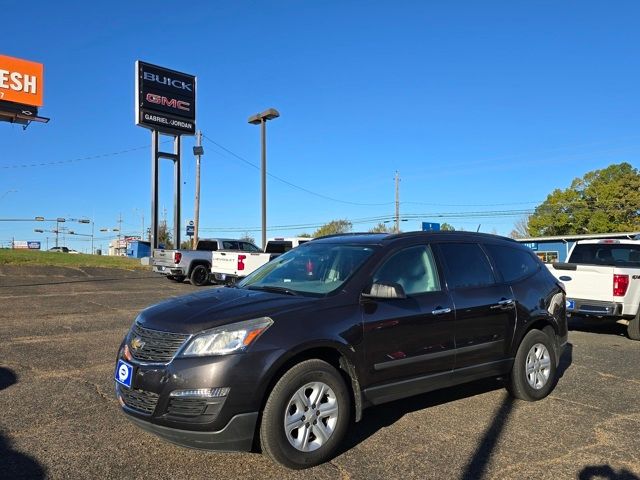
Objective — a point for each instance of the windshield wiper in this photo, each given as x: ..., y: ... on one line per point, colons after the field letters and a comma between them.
x: 269, y: 288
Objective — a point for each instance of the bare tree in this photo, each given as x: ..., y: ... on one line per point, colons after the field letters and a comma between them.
x: 521, y: 228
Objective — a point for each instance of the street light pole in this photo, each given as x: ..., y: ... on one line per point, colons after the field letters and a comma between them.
x: 263, y: 179
x: 261, y: 119
x: 198, y: 151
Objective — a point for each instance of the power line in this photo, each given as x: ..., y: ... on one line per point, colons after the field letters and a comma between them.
x: 293, y: 185
x: 79, y: 159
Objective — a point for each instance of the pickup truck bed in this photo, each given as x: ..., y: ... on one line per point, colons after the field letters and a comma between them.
x: 602, y: 280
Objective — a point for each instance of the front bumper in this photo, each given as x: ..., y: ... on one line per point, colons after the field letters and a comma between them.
x: 226, y: 422
x: 237, y: 434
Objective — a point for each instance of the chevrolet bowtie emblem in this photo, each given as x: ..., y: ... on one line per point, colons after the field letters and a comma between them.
x: 137, y: 343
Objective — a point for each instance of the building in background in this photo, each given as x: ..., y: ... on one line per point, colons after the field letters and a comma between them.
x: 139, y: 249
x: 118, y: 247
x: 556, y: 248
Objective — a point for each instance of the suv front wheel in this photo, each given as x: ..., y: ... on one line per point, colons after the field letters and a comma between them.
x: 306, y: 415
x: 534, y: 370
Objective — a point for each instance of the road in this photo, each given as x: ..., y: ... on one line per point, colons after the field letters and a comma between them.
x: 60, y: 329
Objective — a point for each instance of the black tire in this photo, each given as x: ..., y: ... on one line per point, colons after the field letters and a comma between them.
x: 633, y: 329
x: 518, y: 381
x: 273, y: 437
x: 199, y: 276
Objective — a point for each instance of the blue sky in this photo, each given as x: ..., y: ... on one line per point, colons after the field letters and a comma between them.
x: 481, y: 106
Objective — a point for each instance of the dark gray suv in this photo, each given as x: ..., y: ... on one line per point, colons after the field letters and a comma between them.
x: 285, y: 359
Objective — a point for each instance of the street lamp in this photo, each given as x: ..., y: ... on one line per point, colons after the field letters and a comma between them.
x: 261, y: 119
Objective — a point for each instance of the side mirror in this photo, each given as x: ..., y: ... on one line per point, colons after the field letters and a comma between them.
x: 384, y: 290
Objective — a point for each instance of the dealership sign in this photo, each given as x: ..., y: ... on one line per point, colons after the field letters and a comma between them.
x: 21, y: 244
x: 165, y: 99
x: 21, y: 81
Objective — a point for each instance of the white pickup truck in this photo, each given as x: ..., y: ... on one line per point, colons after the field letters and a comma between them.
x: 602, y: 279
x: 229, y: 267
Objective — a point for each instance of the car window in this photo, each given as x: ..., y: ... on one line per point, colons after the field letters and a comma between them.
x: 513, y: 263
x: 249, y: 247
x: 467, y: 265
x: 609, y: 254
x: 413, y: 268
x: 278, y: 246
x: 207, y: 245
x: 230, y: 245
x: 314, y: 269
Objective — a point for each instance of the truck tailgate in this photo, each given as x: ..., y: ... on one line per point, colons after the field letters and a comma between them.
x: 229, y: 262
x: 590, y: 282
x: 163, y: 258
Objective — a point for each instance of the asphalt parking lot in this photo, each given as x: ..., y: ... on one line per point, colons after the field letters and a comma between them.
x: 60, y: 329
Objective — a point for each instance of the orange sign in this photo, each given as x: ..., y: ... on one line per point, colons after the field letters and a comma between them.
x: 21, y: 81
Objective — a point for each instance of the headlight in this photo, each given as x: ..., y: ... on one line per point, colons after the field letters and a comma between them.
x: 227, y: 339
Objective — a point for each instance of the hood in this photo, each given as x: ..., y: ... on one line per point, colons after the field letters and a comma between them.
x: 218, y: 306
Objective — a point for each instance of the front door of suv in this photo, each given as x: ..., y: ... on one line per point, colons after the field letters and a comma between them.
x: 412, y: 336
x: 485, y: 309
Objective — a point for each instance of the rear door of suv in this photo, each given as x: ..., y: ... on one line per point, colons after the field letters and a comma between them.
x: 485, y: 307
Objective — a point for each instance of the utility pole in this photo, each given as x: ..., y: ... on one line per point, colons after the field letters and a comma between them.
x: 119, y: 232
x: 397, y: 202
x: 198, y: 151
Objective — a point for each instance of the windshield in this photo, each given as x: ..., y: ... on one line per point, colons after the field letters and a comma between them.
x: 313, y: 268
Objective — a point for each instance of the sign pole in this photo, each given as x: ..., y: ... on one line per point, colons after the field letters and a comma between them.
x: 154, y: 188
x: 176, y: 190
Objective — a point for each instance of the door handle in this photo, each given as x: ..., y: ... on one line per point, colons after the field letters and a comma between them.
x: 440, y: 311
x: 504, y: 303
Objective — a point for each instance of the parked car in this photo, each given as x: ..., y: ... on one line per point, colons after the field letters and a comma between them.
x: 59, y: 249
x: 229, y: 267
x: 195, y: 264
x: 602, y: 279
x: 334, y: 326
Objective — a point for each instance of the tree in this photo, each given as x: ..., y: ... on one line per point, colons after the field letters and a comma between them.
x: 333, y: 227
x: 247, y: 238
x: 164, y: 236
x: 521, y: 228
x: 185, y: 244
x: 381, y: 228
x: 304, y: 235
x: 447, y: 227
x: 602, y: 201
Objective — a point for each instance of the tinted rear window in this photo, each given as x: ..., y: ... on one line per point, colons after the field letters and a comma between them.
x: 513, y: 263
x: 611, y: 254
x: 467, y: 265
x: 278, y: 246
x: 207, y: 245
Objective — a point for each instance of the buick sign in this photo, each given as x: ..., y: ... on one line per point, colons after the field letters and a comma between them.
x: 165, y: 99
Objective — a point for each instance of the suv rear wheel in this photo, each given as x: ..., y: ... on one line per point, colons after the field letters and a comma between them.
x: 306, y: 415
x: 534, y: 370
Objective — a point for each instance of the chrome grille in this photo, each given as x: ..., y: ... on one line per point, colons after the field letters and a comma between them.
x: 186, y: 407
x: 156, y: 346
x: 139, y: 400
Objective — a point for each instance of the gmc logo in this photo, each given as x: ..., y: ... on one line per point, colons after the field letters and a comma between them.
x: 168, y: 81
x: 168, y: 102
